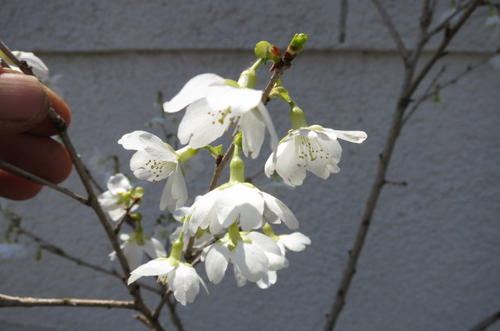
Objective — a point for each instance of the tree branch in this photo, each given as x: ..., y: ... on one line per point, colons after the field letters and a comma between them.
x: 408, y: 88
x: 343, y: 20
x: 396, y: 37
x: 11, y: 301
x: 34, y: 178
x: 487, y: 322
x: 434, y: 87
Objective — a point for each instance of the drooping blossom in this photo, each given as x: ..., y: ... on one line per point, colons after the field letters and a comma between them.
x: 312, y: 148
x: 135, y: 246
x: 253, y: 255
x: 213, y: 105
x: 181, y: 278
x: 113, y: 201
x: 238, y: 202
x: 156, y: 160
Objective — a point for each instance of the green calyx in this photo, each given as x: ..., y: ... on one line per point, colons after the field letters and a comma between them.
x: 237, y: 165
x: 282, y: 93
x: 138, y: 235
x: 186, y: 153
x: 234, y: 235
x: 248, y: 77
x: 297, y: 117
x: 177, y: 247
x: 268, y: 231
x: 265, y: 51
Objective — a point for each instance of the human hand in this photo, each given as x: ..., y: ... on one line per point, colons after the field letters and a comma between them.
x: 25, y: 131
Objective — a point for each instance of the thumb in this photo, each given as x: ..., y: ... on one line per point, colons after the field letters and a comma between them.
x: 23, y: 104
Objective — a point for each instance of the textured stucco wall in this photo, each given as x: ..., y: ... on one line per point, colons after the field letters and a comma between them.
x: 431, y: 258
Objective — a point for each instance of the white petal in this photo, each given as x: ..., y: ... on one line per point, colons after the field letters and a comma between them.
x: 352, y: 136
x: 201, y: 125
x: 269, y: 279
x: 139, y: 140
x: 108, y: 201
x: 133, y: 253
x: 174, y: 194
x: 118, y: 184
x: 185, y: 283
x: 238, y: 100
x: 270, y: 126
x: 273, y: 253
x: 281, y: 210
x: 195, y: 89
x: 124, y: 236
x: 116, y: 214
x: 202, y: 211
x: 152, y: 268
x: 264, y: 242
x: 253, y: 128
x: 288, y: 165
x: 216, y: 262
x: 240, y: 202
x: 155, y: 248
x: 295, y: 242
x: 240, y: 279
x: 269, y: 168
x: 146, y: 166
x: 251, y: 261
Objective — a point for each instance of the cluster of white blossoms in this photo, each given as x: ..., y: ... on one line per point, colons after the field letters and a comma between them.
x: 235, y: 222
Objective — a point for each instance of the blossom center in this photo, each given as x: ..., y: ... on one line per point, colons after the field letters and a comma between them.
x: 310, y: 149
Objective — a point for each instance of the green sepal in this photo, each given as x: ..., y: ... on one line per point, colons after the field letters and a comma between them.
x: 280, y: 92
x: 264, y: 50
x: 215, y: 151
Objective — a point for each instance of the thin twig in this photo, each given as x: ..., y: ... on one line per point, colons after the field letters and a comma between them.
x: 93, y: 180
x: 21, y: 64
x: 45, y: 245
x: 344, y: 8
x: 408, y: 88
x: 487, y: 322
x: 392, y: 30
x: 58, y: 251
x: 34, y: 178
x: 172, y: 305
x: 12, y: 301
x: 434, y: 87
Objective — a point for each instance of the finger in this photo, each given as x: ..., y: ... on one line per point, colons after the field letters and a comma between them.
x: 17, y: 188
x: 45, y: 127
x: 23, y: 103
x: 41, y: 156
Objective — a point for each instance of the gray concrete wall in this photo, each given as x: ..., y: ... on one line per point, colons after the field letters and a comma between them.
x: 431, y: 258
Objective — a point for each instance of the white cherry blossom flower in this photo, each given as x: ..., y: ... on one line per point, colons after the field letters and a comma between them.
x: 154, y: 161
x: 112, y: 200
x: 238, y: 202
x: 213, y: 106
x: 253, y: 257
x: 134, y: 249
x: 311, y: 148
x: 295, y: 242
x: 182, y: 278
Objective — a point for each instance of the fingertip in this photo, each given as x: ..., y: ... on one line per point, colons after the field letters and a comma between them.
x: 17, y: 188
x: 23, y: 104
x: 46, y: 128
